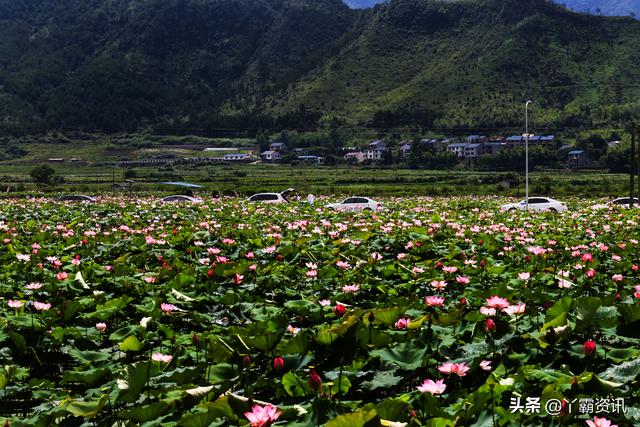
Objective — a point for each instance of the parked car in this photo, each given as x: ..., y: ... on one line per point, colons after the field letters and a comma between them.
x: 356, y: 204
x: 76, y: 198
x: 537, y: 204
x: 181, y: 198
x: 274, y: 198
x: 622, y: 202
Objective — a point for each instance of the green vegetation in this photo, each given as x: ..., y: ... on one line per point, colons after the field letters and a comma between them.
x: 95, y: 169
x: 43, y: 174
x: 226, y: 67
x: 434, y: 312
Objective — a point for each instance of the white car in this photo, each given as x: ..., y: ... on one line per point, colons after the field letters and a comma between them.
x: 76, y: 198
x: 621, y: 202
x: 276, y: 198
x: 356, y: 204
x: 536, y: 204
x: 181, y: 198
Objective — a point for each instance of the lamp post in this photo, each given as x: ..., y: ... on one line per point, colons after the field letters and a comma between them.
x: 526, y: 154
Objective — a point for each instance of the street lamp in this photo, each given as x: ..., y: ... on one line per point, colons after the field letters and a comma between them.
x: 526, y: 154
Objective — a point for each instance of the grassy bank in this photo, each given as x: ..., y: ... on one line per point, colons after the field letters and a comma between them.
x: 248, y: 179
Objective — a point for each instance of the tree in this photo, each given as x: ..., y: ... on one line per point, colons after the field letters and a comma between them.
x: 43, y: 174
x: 387, y: 157
x: 262, y: 140
x: 595, y: 146
x: 130, y: 173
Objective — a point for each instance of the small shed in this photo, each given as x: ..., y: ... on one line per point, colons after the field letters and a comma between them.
x: 578, y: 159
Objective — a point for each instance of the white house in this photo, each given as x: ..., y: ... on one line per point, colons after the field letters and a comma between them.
x: 356, y: 156
x: 237, y: 157
x: 405, y: 149
x: 376, y: 150
x: 472, y: 151
x: 457, y: 148
x: 270, y: 156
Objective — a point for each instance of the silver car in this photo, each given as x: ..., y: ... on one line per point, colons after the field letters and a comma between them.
x: 275, y: 198
x: 356, y: 204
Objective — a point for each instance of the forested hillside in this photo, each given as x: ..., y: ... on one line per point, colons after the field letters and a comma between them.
x: 233, y: 65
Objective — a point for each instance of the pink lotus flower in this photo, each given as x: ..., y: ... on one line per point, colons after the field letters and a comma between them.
x: 376, y: 256
x: 63, y: 275
x: 462, y: 280
x: 600, y: 422
x: 101, y: 327
x: 403, y: 323
x: 590, y: 273
x: 312, y: 273
x: 564, y: 284
x: 23, y: 257
x: 15, y: 304
x: 168, y: 308
x: 617, y: 278
x: 350, y: 289
x: 429, y: 386
x: 293, y: 330
x: 497, y: 302
x: 162, y: 358
x: 637, y: 292
x: 488, y: 311
x: 449, y: 269
x: 515, y: 309
x: 587, y: 258
x: 237, y: 279
x: 33, y: 286
x: 434, y: 301
x: 485, y: 365
x: 459, y: 369
x: 438, y: 284
x: 343, y: 265
x: 524, y: 276
x: 324, y: 302
x: 536, y: 250
x: 42, y: 306
x: 263, y: 416
x: 249, y: 255
x: 150, y: 279
x: 253, y: 267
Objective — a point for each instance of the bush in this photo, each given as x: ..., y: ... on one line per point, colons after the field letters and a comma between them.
x: 43, y: 174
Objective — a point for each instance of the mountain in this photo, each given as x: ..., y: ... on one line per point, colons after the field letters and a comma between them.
x: 474, y: 64
x: 120, y: 64
x: 222, y: 66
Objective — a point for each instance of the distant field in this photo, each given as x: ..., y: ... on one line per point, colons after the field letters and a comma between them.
x: 247, y: 179
x: 96, y: 172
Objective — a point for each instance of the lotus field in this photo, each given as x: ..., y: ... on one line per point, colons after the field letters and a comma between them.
x: 432, y: 312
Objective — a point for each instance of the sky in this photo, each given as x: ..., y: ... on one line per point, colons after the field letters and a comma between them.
x: 605, y: 7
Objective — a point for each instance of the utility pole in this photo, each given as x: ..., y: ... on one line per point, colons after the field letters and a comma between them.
x: 632, y: 164
x: 637, y: 163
